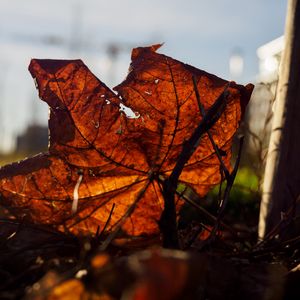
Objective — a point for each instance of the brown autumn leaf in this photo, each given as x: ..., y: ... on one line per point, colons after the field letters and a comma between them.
x: 110, y: 149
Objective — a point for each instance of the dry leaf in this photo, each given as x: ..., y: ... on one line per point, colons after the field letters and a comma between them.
x: 116, y: 149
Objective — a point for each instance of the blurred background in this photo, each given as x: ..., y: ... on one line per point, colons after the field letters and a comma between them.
x: 236, y: 40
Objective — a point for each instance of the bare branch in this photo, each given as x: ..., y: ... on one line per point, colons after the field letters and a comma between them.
x: 167, y: 223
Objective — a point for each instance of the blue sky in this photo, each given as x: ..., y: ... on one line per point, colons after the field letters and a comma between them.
x: 198, y: 32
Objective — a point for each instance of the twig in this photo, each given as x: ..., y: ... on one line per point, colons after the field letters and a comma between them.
x: 167, y: 222
x: 229, y: 184
x: 228, y: 176
x: 275, y: 230
x: 99, y: 236
x: 207, y: 214
x: 230, y: 180
x: 121, y: 222
x: 203, y: 112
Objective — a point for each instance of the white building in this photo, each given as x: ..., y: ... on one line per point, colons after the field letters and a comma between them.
x: 269, y: 58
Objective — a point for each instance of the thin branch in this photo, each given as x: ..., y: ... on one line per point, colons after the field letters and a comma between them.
x: 203, y: 112
x: 286, y: 219
x: 229, y: 184
x: 230, y: 180
x: 99, y: 236
x: 167, y: 222
x: 121, y: 222
x: 228, y: 176
x: 202, y: 210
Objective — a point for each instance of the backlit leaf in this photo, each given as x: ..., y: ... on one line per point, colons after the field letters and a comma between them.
x: 109, y: 149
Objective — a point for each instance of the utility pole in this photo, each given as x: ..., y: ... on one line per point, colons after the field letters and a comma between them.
x: 281, y: 185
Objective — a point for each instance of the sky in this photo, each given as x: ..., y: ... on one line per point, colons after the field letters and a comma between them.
x: 198, y: 32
